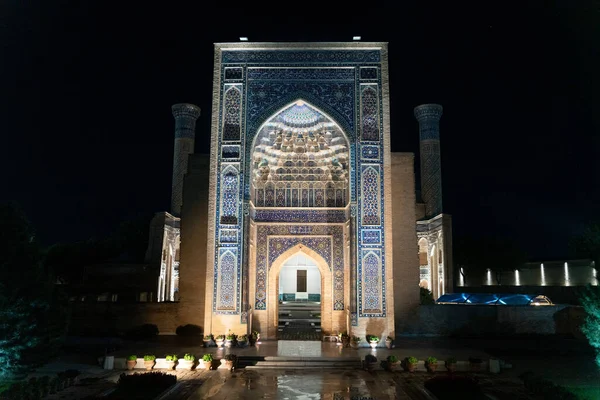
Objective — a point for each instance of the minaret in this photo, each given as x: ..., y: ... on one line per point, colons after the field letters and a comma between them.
x: 428, y: 116
x: 185, y: 133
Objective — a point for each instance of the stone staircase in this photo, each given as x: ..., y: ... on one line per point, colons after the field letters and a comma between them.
x: 299, y: 321
x: 291, y: 362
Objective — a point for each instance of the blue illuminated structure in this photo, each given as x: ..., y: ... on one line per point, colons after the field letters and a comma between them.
x: 496, y: 299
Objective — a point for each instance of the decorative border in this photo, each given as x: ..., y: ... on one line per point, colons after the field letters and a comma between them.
x: 274, y: 239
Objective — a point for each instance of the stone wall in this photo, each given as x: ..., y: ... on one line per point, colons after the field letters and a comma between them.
x: 405, y: 279
x: 115, y: 318
x: 448, y: 319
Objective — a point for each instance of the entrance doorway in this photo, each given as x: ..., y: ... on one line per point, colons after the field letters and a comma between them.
x: 299, y: 297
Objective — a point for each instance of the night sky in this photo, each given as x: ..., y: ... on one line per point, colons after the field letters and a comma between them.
x: 87, y: 89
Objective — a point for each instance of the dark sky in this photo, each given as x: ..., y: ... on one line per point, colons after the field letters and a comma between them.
x: 87, y: 89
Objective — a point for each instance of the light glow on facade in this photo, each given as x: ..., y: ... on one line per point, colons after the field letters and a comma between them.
x: 566, y: 274
x: 517, y: 278
x: 543, y: 274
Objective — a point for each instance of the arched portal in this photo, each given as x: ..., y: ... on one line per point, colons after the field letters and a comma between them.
x: 273, y: 288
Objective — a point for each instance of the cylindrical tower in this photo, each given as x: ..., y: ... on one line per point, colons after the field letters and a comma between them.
x: 185, y: 133
x: 428, y: 116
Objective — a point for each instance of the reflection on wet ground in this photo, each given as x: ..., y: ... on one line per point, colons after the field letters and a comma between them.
x: 297, y: 385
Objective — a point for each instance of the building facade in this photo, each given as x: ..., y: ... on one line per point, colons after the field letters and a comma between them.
x: 301, y: 177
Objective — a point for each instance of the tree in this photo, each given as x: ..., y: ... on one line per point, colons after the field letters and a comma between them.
x: 32, y: 311
x: 590, y: 300
x: 475, y: 255
x: 587, y: 244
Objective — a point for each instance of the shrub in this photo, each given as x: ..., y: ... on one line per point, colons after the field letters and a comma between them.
x: 432, y: 360
x: 412, y: 360
x: 373, y: 338
x: 208, y: 337
x: 149, y: 357
x: 171, y: 357
x: 243, y: 338
x: 207, y: 357
x: 220, y: 337
x: 370, y: 358
x: 132, y: 357
x: 145, y: 331
x: 356, y: 338
x: 189, y: 357
x: 426, y: 296
x: 189, y: 330
x: 451, y: 360
x: 142, y: 385
x: 230, y: 336
x: 392, y: 359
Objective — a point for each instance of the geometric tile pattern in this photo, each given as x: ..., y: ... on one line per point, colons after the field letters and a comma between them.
x: 227, y: 281
x: 368, y: 73
x: 273, y: 240
x: 229, y: 195
x: 371, y: 236
x: 371, y: 276
x: 369, y: 113
x: 370, y: 195
x: 291, y: 215
x: 345, y: 86
x: 231, y: 128
x: 368, y: 152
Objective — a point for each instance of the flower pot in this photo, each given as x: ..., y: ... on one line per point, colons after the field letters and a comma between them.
x: 242, y: 343
x: 373, y: 344
x: 451, y: 367
x: 149, y: 364
x: 431, y: 367
x: 392, y: 366
x: 345, y: 342
x: 207, y: 343
x: 186, y: 364
x: 207, y: 365
x: 131, y: 364
x: 170, y: 365
x: 388, y: 344
x: 410, y: 367
x: 220, y: 342
x: 354, y: 344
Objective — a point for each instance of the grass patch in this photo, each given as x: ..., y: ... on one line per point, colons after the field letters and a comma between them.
x: 585, y: 393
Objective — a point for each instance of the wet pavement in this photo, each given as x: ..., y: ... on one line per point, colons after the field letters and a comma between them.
x: 562, y: 361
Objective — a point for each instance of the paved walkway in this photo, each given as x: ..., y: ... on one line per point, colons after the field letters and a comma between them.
x: 562, y: 362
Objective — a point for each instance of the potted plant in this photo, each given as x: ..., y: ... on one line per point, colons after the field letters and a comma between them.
x: 171, y: 360
x: 230, y: 361
x: 187, y: 362
x: 388, y: 342
x: 373, y: 341
x: 345, y: 339
x: 475, y: 363
x: 230, y: 339
x: 355, y: 342
x: 450, y: 364
x: 208, y: 339
x: 410, y: 364
x: 131, y: 361
x: 431, y: 364
x: 369, y: 362
x: 149, y: 361
x: 242, y: 341
x: 392, y: 362
x: 220, y: 340
x: 256, y: 336
x: 207, y: 360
